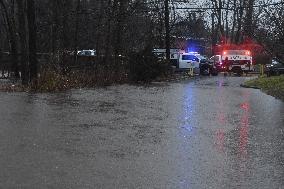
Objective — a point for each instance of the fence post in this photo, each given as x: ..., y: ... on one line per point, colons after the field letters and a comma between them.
x: 190, y: 72
x: 262, y: 69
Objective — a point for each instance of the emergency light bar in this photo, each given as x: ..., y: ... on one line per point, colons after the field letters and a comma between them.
x: 237, y: 52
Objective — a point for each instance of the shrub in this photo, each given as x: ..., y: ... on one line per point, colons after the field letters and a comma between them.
x: 52, y: 78
x: 145, y: 67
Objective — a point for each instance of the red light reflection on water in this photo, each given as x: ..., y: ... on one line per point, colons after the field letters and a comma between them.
x: 220, y: 140
x: 222, y: 118
x: 244, y: 129
x: 245, y: 106
x: 222, y: 121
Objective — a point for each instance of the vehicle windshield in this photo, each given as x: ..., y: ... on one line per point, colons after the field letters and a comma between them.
x: 189, y: 57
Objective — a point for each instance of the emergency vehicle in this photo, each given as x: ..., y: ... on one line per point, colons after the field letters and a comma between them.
x: 236, y: 61
x: 181, y: 59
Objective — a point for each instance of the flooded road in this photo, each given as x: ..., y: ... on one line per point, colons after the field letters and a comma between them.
x: 206, y: 133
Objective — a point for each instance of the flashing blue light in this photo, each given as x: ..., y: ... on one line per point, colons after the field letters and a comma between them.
x: 192, y: 50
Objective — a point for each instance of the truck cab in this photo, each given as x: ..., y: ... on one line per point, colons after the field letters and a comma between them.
x: 180, y: 59
x: 188, y: 60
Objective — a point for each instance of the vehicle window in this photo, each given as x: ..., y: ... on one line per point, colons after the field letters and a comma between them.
x: 189, y: 57
x: 216, y: 59
x: 88, y: 53
x: 186, y: 57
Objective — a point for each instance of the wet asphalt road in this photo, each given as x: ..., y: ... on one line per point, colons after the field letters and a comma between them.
x: 206, y: 133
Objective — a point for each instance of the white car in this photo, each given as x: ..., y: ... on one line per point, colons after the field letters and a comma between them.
x: 86, y: 53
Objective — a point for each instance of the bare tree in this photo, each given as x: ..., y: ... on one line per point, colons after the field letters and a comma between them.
x: 248, y: 23
x: 9, y: 17
x: 167, y: 28
x: 23, y: 40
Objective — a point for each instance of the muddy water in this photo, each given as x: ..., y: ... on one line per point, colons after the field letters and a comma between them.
x: 206, y: 133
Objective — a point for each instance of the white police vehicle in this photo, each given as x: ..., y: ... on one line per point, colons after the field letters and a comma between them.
x: 181, y: 59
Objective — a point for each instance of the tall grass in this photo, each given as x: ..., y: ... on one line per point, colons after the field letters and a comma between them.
x: 272, y: 85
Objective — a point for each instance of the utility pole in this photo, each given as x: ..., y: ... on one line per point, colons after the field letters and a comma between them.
x: 167, y: 27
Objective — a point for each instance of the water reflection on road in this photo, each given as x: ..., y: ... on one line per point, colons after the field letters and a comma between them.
x: 189, y: 111
x: 207, y: 133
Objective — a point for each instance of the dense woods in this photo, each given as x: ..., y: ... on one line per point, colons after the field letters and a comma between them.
x: 119, y: 28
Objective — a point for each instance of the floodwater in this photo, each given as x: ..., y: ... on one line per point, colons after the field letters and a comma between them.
x: 199, y: 134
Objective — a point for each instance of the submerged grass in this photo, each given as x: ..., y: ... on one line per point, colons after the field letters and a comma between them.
x: 274, y: 86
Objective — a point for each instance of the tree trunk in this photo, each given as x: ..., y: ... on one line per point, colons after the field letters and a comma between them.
x: 108, y: 34
x: 54, y: 26
x: 227, y: 20
x: 213, y: 33
x: 248, y: 29
x: 240, y: 14
x: 234, y: 20
x: 167, y: 27
x: 23, y: 41
x: 99, y: 32
x: 32, y: 40
x: 75, y: 48
x: 12, y: 38
x: 217, y: 4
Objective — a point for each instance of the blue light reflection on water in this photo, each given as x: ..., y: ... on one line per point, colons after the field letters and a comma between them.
x: 188, y: 112
x: 186, y: 131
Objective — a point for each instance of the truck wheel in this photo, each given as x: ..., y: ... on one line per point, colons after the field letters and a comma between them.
x: 202, y: 71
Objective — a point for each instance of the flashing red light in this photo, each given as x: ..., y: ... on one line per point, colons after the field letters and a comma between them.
x: 225, y: 52
x: 248, y: 53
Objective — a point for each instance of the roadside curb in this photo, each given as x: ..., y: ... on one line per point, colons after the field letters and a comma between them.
x: 249, y: 87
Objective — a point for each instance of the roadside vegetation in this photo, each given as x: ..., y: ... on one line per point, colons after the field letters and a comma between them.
x: 142, y: 67
x: 39, y: 40
x: 139, y: 67
x: 271, y: 85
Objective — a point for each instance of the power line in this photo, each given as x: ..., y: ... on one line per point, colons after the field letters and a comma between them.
x: 232, y: 9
